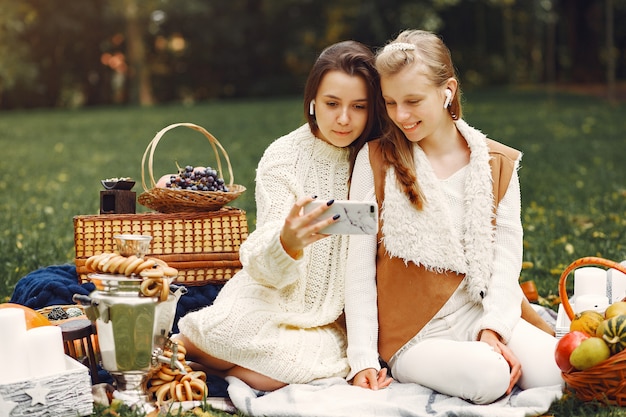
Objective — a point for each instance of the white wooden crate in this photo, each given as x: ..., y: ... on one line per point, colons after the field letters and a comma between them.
x: 59, y: 395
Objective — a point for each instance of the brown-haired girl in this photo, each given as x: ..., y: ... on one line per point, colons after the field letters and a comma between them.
x: 276, y: 321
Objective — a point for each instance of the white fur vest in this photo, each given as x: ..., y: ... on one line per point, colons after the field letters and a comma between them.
x: 428, y: 237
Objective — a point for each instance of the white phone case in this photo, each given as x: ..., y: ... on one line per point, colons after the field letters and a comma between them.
x: 355, y: 217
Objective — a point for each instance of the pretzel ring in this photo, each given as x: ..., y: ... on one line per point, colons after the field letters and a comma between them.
x: 160, y: 262
x: 180, y: 355
x: 198, y: 389
x: 188, y: 391
x: 132, y: 266
x: 152, y: 272
x: 113, y: 263
x: 168, y: 271
x: 150, y: 287
x: 147, y: 263
x: 104, y: 259
x: 165, y: 377
x: 163, y: 393
x: 157, y: 382
x: 169, y: 371
x: 179, y: 393
x: 181, y: 345
x: 125, y: 263
x: 173, y: 386
x: 190, y: 376
x: 89, y: 262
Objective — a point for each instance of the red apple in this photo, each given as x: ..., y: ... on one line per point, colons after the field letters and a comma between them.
x: 564, y: 348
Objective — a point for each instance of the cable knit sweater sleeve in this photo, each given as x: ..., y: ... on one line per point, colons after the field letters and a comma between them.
x: 276, y: 191
x: 360, y: 282
x: 502, y: 304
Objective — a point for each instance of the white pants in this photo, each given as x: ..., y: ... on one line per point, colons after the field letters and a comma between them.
x: 442, y: 358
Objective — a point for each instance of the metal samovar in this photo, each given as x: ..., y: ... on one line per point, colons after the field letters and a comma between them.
x: 133, y: 330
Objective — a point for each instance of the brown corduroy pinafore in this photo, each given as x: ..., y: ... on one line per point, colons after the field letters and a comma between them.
x: 396, y: 282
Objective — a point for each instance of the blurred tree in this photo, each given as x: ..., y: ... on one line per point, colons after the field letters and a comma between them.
x: 55, y: 53
x: 136, y: 15
x: 16, y: 65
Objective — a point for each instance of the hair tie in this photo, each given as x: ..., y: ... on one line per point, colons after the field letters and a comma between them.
x: 399, y: 46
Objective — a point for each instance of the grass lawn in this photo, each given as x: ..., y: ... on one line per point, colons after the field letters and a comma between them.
x: 573, y: 172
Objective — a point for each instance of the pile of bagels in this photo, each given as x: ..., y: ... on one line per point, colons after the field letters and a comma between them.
x: 155, y: 273
x: 172, y: 385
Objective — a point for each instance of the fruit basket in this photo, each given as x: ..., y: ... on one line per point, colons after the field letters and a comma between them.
x: 605, y: 382
x: 167, y: 200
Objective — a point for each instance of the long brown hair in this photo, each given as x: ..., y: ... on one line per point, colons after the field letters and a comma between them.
x: 354, y: 59
x: 434, y: 56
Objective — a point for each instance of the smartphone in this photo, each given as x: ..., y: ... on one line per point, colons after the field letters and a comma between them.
x: 355, y: 217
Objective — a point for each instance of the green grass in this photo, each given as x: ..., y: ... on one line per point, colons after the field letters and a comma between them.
x: 53, y: 161
x: 573, y: 173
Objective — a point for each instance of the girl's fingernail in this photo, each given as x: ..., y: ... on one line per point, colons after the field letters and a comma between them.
x: 329, y: 202
x: 336, y: 216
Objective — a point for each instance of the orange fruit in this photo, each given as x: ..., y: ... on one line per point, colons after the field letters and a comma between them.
x: 33, y: 318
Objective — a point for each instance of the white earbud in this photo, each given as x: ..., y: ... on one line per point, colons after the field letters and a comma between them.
x: 312, y: 107
x: 448, y: 94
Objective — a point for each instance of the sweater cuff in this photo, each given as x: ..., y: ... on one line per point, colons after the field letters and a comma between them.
x: 493, y: 323
x: 361, y: 364
x: 281, y: 257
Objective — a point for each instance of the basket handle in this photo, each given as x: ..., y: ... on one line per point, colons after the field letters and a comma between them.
x: 590, y: 260
x: 149, y: 153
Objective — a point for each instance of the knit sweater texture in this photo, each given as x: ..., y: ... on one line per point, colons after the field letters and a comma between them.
x: 454, y: 232
x: 279, y: 316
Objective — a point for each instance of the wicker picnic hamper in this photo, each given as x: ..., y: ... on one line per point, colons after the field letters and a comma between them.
x: 605, y: 382
x: 167, y: 200
x: 203, y: 246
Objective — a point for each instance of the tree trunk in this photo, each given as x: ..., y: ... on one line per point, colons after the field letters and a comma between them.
x: 140, y: 89
x: 610, y: 52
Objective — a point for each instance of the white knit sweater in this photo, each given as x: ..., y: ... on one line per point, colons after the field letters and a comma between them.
x: 278, y: 315
x: 457, y: 212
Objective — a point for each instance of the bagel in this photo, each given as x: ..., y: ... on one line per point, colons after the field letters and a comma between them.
x: 199, y: 389
x: 168, y: 271
x: 89, y: 262
x: 113, y: 263
x: 152, y: 272
x: 165, y: 376
x: 178, y: 393
x: 147, y: 263
x: 150, y: 287
x: 103, y: 260
x: 130, y: 269
x: 164, y: 392
x: 188, y: 391
x: 127, y: 260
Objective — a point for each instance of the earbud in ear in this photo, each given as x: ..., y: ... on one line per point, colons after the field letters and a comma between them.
x: 312, y: 107
x: 448, y: 94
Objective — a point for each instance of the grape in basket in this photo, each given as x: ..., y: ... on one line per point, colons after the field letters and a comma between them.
x: 194, y: 178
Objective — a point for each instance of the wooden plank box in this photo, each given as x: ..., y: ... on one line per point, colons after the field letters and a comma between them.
x: 203, y: 246
x: 59, y: 395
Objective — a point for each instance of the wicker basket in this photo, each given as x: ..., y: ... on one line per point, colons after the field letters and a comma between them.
x: 605, y: 382
x: 167, y: 200
x: 204, y: 247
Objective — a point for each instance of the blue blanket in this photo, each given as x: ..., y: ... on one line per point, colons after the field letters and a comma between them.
x: 56, y: 285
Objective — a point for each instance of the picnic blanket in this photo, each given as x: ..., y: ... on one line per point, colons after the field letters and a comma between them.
x: 334, y: 397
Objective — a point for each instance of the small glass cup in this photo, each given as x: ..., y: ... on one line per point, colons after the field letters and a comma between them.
x: 137, y: 245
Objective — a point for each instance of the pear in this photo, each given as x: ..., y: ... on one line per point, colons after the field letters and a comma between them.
x: 589, y: 353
